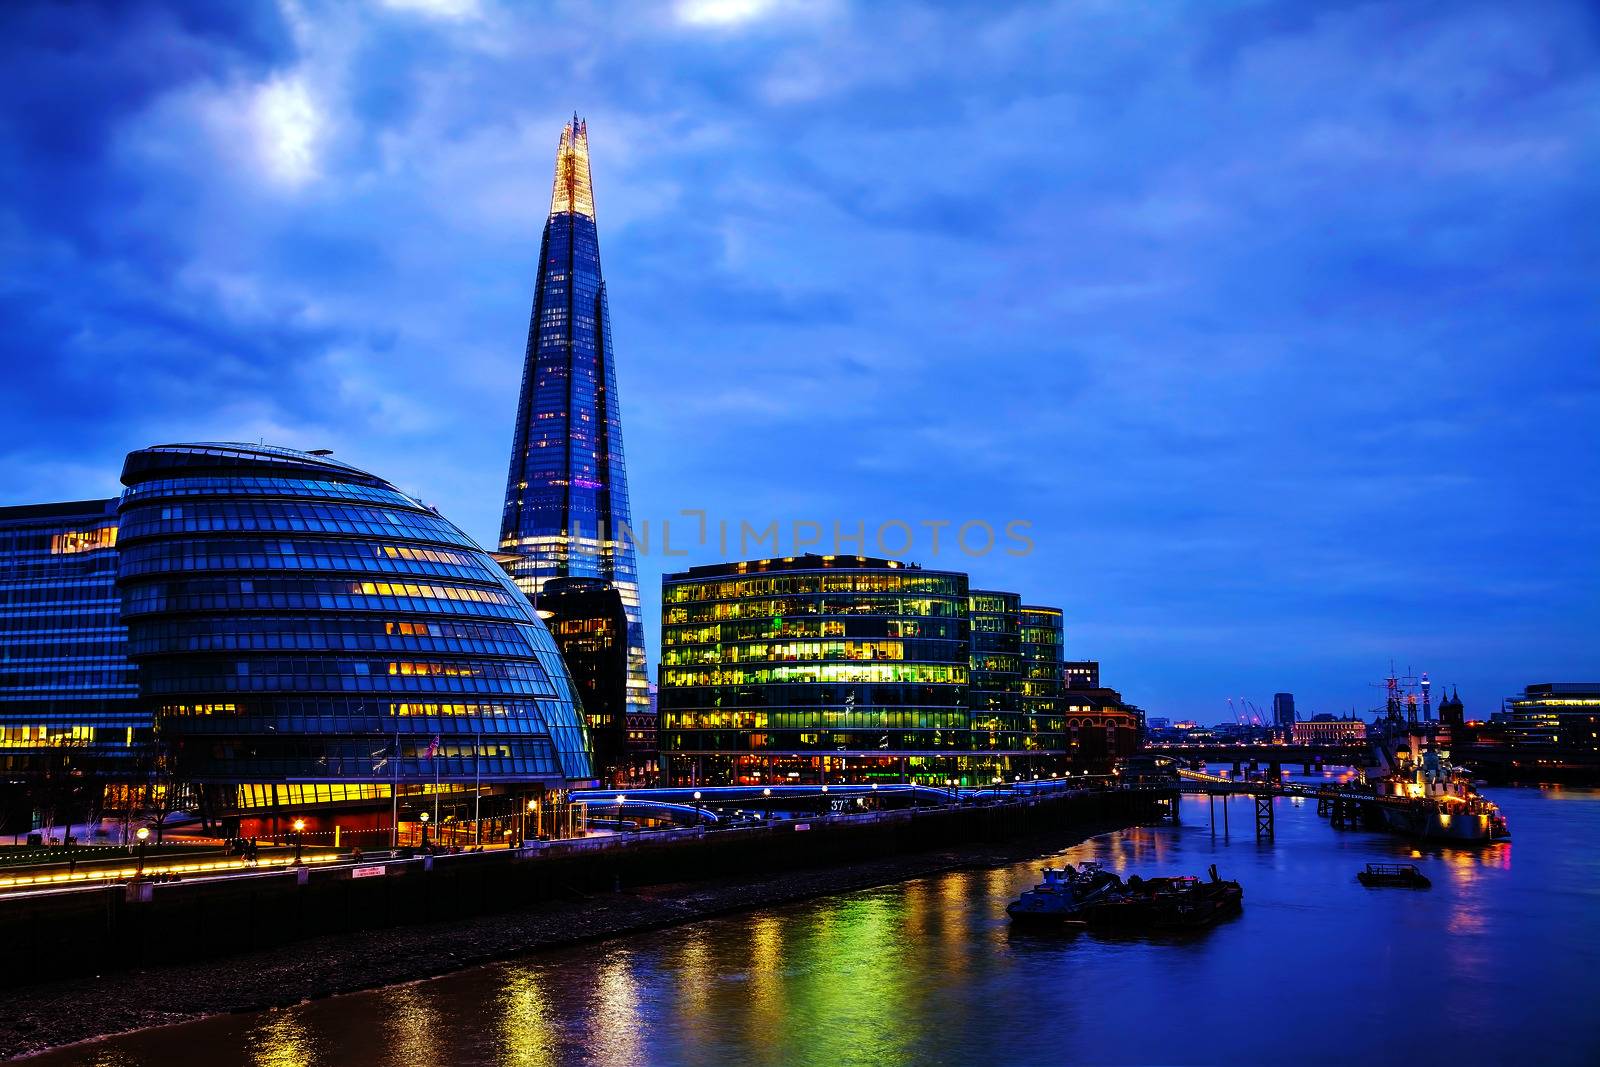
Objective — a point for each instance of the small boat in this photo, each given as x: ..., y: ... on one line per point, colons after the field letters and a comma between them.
x: 1058, y: 899
x: 1397, y: 875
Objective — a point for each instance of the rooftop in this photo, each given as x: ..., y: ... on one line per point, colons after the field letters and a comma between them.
x: 809, y: 561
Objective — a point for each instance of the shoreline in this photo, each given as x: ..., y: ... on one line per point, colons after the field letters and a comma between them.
x: 58, y: 1014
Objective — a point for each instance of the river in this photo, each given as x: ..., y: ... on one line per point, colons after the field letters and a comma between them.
x: 1499, y: 962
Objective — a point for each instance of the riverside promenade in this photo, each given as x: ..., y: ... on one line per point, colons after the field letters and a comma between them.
x: 62, y: 932
x: 197, y: 948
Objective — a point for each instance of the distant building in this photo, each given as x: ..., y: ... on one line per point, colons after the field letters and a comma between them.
x: 1100, y: 727
x: 1564, y: 714
x: 1082, y: 674
x: 1283, y: 710
x: 1328, y: 730
x: 643, y: 736
x: 587, y: 620
x: 69, y: 699
x: 1452, y: 712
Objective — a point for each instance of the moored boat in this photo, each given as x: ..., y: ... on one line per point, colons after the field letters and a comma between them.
x: 1393, y: 875
x: 1058, y: 899
x: 1095, y: 898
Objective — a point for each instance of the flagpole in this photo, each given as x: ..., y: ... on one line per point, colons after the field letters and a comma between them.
x: 394, y: 792
x: 477, y: 786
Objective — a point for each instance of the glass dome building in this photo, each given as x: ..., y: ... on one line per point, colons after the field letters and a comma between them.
x: 309, y: 636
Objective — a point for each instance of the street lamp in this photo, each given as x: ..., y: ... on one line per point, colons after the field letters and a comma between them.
x: 697, y: 806
x: 533, y: 806
x: 143, y: 834
x: 423, y: 817
x: 299, y: 831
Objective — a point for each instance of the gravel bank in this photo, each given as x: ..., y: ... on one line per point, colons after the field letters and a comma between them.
x: 48, y: 1016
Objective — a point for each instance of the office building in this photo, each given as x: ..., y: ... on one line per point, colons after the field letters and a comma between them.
x: 590, y: 627
x: 1555, y: 714
x: 315, y: 642
x: 1042, y: 686
x: 1081, y: 674
x: 810, y: 668
x: 1283, y: 710
x: 994, y: 683
x: 70, y: 719
x: 817, y: 669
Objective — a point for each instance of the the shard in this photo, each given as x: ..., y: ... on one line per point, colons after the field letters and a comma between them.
x: 566, y: 509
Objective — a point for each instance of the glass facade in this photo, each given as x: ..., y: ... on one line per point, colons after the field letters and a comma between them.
x: 996, y: 677
x: 566, y: 500
x: 852, y: 669
x: 812, y: 668
x: 299, y: 622
x: 68, y: 695
x: 1043, y: 680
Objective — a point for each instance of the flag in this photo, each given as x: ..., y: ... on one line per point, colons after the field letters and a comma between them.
x: 433, y: 747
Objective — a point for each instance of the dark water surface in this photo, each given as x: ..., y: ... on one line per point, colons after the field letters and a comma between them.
x: 1498, y: 963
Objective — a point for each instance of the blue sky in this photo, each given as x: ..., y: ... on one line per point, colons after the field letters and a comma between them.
x: 1277, y: 321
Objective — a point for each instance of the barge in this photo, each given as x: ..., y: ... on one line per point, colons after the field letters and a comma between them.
x: 1088, y: 896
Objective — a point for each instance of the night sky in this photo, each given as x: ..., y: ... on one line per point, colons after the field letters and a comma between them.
x: 1278, y: 321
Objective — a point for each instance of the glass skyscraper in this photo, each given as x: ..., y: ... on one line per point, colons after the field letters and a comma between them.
x: 308, y: 635
x: 567, y: 490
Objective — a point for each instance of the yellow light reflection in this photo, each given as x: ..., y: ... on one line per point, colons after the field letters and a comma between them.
x: 525, y: 1026
x: 412, y: 1024
x: 281, y: 1041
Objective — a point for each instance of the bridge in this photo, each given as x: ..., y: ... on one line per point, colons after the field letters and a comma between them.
x: 1344, y: 806
x: 1274, y: 755
x: 717, y: 806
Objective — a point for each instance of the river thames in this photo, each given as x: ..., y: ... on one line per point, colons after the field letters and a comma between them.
x: 1498, y: 962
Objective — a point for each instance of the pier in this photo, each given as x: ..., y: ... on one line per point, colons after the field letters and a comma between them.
x: 1344, y: 808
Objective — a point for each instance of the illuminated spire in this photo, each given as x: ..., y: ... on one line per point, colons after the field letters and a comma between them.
x: 572, y: 191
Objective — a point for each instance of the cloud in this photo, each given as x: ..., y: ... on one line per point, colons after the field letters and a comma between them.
x: 439, y: 9
x: 1276, y: 321
x: 723, y: 12
x: 288, y: 126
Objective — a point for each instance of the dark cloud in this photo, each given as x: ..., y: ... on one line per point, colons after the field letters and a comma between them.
x: 1275, y: 319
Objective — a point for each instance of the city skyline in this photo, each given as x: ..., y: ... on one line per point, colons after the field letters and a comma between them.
x: 1272, y: 412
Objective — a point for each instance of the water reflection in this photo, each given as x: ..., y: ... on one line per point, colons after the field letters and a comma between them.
x: 615, y: 1033
x: 525, y: 1022
x: 282, y: 1040
x: 412, y: 1024
x: 929, y: 971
